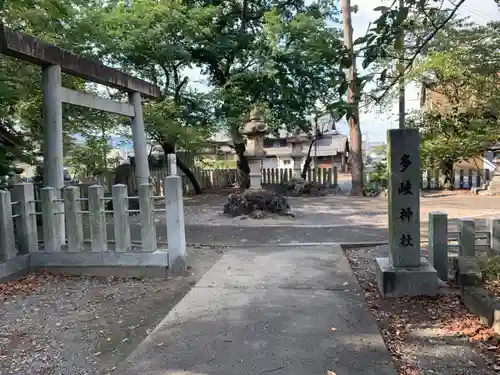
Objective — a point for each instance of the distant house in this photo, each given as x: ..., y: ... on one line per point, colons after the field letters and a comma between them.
x: 330, y: 149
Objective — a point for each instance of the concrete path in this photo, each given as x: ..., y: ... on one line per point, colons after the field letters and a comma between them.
x: 295, y: 310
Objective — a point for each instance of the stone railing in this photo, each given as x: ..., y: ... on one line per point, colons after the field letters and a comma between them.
x: 21, y: 249
x: 464, y: 240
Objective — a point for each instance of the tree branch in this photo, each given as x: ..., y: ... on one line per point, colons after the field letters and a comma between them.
x: 419, y: 50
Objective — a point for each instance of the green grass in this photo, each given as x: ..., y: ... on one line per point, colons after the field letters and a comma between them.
x: 490, y: 267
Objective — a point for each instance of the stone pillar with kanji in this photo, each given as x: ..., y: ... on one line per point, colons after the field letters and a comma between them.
x: 297, y: 141
x: 405, y: 272
x: 255, y: 130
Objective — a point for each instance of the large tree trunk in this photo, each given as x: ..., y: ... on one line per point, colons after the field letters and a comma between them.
x: 355, y: 150
x: 190, y: 175
x: 447, y: 168
x: 170, y: 149
x: 242, y: 164
x: 307, y: 163
x: 353, y: 94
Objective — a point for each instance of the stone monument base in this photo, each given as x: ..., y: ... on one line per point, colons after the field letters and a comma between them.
x: 396, y: 282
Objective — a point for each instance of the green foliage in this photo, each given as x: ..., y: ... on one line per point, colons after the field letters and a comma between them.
x: 455, y: 135
x: 20, y: 89
x: 281, y: 56
x: 397, y: 39
x: 286, y: 57
x: 490, y: 267
x: 91, y: 158
x: 464, y: 78
x: 378, y: 178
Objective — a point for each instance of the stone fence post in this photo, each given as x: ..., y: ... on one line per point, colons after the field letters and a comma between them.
x: 7, y: 240
x: 51, y: 238
x: 176, y: 236
x: 466, y: 237
x: 172, y: 165
x: 123, y: 242
x: 97, y: 218
x: 494, y: 227
x: 72, y: 209
x: 438, y: 243
x: 26, y: 230
x: 148, y: 225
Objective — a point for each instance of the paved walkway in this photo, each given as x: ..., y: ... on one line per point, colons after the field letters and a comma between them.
x: 294, y: 310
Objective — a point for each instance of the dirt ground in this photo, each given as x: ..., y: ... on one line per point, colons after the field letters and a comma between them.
x: 335, y: 210
x: 82, y: 325
x: 427, y: 335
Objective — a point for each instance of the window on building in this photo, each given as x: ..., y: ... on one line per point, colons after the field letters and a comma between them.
x: 268, y: 142
x: 282, y: 142
x: 287, y: 162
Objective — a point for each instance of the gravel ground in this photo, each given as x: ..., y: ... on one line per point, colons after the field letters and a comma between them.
x: 427, y: 335
x: 55, y: 325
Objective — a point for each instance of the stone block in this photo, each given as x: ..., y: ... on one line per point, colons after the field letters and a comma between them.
x: 176, y: 235
x: 438, y: 243
x: 466, y: 237
x: 104, y: 263
x: 494, y: 228
x: 74, y: 229
x: 8, y: 248
x: 26, y: 231
x: 467, y: 271
x: 14, y: 266
x: 480, y: 303
x: 121, y: 225
x: 396, y: 282
x: 97, y: 219
x: 147, y: 218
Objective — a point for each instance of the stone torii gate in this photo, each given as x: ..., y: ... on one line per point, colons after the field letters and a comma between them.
x: 55, y: 60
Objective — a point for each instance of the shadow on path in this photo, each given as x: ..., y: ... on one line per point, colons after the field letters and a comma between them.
x: 296, y: 310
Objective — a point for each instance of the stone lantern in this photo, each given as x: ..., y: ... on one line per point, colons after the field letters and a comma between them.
x: 255, y: 130
x: 297, y: 141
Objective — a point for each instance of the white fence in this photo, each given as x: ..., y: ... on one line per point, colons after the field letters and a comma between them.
x: 63, y: 218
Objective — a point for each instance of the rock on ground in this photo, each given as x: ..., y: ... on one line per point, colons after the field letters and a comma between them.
x: 256, y: 204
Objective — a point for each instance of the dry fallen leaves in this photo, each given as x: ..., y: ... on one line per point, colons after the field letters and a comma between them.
x: 445, y: 313
x: 26, y: 285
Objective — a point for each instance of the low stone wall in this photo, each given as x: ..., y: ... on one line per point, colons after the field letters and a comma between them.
x: 474, y: 296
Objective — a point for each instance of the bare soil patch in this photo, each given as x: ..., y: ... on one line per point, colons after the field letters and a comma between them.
x: 59, y: 325
x: 427, y: 335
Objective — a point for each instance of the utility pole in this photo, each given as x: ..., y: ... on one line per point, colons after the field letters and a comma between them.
x: 400, y: 70
x: 353, y: 96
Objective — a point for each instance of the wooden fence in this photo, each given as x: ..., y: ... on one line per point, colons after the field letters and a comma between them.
x: 216, y: 178
x: 461, y: 179
x: 321, y: 175
x: 207, y: 178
